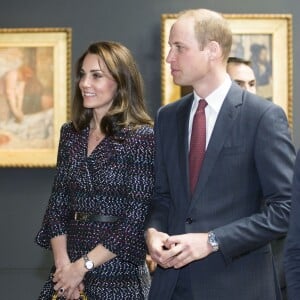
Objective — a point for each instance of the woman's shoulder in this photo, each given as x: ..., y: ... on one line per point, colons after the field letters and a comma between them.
x: 145, y: 130
x: 68, y: 128
x: 68, y: 131
x: 142, y: 131
x: 139, y: 134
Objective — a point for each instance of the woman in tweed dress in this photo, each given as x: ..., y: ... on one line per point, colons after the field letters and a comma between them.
x: 94, y: 221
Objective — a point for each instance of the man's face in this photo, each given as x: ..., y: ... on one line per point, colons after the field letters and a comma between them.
x: 189, y: 63
x: 243, y: 75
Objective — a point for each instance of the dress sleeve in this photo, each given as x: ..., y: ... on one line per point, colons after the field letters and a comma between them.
x: 56, y: 215
x: 128, y: 242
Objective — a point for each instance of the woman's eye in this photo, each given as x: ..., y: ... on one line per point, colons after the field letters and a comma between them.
x: 97, y: 75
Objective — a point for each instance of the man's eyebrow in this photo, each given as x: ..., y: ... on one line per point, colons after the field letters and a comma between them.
x: 175, y: 43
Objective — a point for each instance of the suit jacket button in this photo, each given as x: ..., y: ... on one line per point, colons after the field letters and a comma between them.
x: 189, y: 221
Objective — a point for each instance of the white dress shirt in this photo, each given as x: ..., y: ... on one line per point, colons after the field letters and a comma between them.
x: 214, y: 103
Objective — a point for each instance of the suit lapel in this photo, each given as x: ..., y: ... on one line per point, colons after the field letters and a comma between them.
x: 183, y: 114
x: 222, y: 128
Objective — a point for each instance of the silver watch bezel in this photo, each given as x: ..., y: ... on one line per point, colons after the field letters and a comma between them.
x: 213, y: 241
x: 88, y: 264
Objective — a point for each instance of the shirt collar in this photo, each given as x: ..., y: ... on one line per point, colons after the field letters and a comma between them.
x: 216, y: 98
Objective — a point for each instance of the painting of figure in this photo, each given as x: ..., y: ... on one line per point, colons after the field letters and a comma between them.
x: 26, y: 97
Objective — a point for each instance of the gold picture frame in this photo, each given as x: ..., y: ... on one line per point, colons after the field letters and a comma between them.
x: 34, y: 94
x: 271, y: 31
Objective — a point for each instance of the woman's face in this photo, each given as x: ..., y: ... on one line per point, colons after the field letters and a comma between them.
x: 98, y: 88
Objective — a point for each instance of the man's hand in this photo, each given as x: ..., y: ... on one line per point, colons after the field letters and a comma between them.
x: 185, y: 248
x: 156, y: 244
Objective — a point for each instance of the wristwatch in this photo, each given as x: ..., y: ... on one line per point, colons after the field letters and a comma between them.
x: 213, y: 241
x: 88, y: 264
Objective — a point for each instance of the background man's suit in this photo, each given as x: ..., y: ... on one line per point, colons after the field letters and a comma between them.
x: 249, y: 158
x: 292, y: 247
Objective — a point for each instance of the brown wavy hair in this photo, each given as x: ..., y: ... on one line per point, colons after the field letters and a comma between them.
x: 128, y: 107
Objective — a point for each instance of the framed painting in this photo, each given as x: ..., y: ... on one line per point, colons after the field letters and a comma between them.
x: 264, y: 39
x: 34, y: 94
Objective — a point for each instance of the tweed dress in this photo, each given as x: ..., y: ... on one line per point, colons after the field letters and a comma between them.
x: 116, y: 179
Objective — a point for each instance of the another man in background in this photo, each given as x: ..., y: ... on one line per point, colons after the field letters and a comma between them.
x: 241, y: 72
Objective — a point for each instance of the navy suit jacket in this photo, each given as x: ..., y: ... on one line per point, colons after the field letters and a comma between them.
x: 292, y: 250
x: 243, y: 194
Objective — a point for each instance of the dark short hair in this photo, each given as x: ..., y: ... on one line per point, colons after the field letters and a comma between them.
x: 238, y: 60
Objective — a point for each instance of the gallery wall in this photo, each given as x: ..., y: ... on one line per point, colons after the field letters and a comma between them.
x: 24, y: 192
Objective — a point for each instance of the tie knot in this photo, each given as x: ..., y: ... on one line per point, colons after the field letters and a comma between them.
x: 202, y: 104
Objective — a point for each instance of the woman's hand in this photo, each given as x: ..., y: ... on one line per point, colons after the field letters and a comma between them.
x: 68, y: 279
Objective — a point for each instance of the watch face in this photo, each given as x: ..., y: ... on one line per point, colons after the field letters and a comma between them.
x: 213, y: 242
x: 89, y: 265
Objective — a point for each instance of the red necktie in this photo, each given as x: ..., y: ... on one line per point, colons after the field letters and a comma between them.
x: 197, y: 144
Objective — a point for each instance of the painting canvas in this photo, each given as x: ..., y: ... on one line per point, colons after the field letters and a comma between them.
x: 264, y: 39
x: 258, y: 49
x: 34, y: 92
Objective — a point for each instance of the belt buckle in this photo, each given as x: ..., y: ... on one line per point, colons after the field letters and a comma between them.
x: 80, y: 216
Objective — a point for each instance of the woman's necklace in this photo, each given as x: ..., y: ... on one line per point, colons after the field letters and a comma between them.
x: 96, y: 134
x: 95, y: 137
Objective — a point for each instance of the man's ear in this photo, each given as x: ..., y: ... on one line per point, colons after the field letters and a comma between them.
x: 214, y: 49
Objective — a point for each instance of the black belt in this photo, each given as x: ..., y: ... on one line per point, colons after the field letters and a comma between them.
x: 78, y: 216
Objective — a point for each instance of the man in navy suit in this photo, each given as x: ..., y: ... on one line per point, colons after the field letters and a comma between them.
x: 214, y: 242
x: 241, y: 72
x: 292, y: 249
